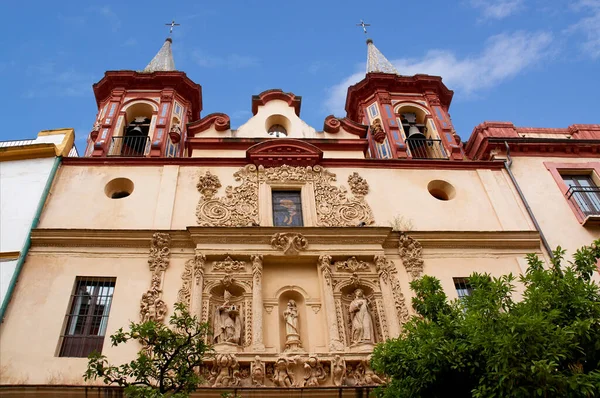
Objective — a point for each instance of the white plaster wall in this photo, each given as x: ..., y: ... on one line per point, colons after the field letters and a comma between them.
x: 21, y: 186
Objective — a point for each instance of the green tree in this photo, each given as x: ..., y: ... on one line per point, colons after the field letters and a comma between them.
x: 167, y: 364
x: 546, y: 344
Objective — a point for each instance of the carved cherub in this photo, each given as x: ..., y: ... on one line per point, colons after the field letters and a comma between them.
x: 338, y: 370
x: 314, y: 372
x: 282, y: 374
x: 257, y: 370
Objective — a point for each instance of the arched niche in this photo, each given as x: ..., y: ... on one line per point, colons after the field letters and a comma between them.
x: 238, y: 293
x: 133, y: 137
x: 345, y: 295
x: 284, y: 295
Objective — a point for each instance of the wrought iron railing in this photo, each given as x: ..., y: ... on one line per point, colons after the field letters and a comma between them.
x: 426, y: 148
x: 129, y: 146
x: 586, y: 200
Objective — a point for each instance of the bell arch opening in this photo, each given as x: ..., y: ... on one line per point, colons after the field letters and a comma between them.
x: 135, y: 137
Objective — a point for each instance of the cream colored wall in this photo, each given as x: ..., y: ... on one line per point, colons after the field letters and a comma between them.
x: 166, y: 197
x: 549, y: 205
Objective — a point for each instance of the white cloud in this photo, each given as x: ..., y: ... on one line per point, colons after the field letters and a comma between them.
x: 503, y: 57
x: 49, y: 81
x: 497, y: 9
x: 589, y: 26
x: 231, y: 61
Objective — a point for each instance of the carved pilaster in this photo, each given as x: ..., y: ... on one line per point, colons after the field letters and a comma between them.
x: 152, y: 306
x: 193, y: 271
x: 257, y: 302
x: 391, y: 290
x: 335, y: 344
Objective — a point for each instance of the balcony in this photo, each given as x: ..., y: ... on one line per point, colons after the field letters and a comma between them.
x: 129, y: 146
x: 586, y: 202
x: 426, y: 148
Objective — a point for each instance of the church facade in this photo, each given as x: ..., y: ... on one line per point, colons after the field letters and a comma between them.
x: 296, y: 244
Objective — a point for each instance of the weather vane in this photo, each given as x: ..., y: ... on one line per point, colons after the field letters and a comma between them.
x: 363, y: 25
x: 171, y: 26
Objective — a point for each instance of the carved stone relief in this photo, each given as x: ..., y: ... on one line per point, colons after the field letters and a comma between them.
x: 257, y: 371
x: 351, y: 265
x: 281, y: 372
x: 388, y: 273
x: 225, y: 371
x: 193, y: 270
x: 229, y: 265
x: 290, y: 242
x: 338, y: 371
x: 335, y: 207
x: 411, y: 253
x: 314, y: 372
x: 152, y: 307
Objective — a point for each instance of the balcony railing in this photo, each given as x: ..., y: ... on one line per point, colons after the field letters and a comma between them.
x: 426, y: 148
x: 129, y: 146
x: 586, y: 201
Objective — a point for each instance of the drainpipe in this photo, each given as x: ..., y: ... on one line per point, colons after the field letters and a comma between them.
x: 25, y: 250
x: 507, y: 165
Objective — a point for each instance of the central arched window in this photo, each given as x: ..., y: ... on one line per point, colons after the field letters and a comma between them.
x: 277, y: 130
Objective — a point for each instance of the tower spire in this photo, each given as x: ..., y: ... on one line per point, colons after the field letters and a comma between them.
x: 377, y: 62
x: 163, y: 60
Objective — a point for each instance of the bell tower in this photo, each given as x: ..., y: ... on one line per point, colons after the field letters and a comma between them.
x: 408, y: 115
x: 144, y: 113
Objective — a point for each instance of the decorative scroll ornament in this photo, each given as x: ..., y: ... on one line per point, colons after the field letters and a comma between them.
x: 229, y: 265
x: 152, y: 307
x: 194, y: 269
x: 290, y: 242
x: 387, y: 271
x: 351, y: 265
x: 239, y: 206
x: 334, y: 207
x: 411, y: 253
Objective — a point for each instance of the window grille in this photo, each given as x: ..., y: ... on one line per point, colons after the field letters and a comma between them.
x: 87, y: 316
x: 463, y: 287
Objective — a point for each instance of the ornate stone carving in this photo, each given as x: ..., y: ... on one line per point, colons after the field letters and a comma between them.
x: 362, y: 321
x: 292, y: 335
x: 388, y: 273
x: 314, y: 372
x: 158, y: 260
x: 225, y: 371
x: 340, y: 320
x: 239, y: 206
x: 383, y: 324
x: 227, y: 323
x: 248, y: 325
x: 290, y: 242
x: 194, y: 269
x: 358, y: 185
x: 335, y: 208
x: 377, y: 131
x: 283, y: 375
x: 364, y: 375
x: 351, y: 265
x: 257, y: 302
x: 257, y: 372
x: 338, y: 370
x: 229, y: 265
x: 411, y: 253
x: 325, y: 266
x: 152, y: 307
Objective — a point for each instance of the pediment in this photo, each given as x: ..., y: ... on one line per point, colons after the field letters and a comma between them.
x: 278, y: 152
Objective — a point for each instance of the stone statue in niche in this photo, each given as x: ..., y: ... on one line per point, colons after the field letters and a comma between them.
x: 314, y: 372
x: 257, y: 370
x: 282, y: 374
x: 338, y: 370
x: 292, y: 337
x: 227, y: 325
x: 362, y: 322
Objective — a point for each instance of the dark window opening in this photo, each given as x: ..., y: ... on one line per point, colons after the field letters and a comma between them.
x: 463, y: 287
x: 287, y: 209
x: 135, y: 137
x: 583, y: 193
x: 87, y: 317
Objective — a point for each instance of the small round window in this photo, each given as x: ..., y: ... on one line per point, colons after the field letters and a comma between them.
x: 119, y: 188
x: 277, y: 130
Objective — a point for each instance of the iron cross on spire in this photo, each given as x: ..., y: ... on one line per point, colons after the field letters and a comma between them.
x: 171, y: 26
x: 363, y: 25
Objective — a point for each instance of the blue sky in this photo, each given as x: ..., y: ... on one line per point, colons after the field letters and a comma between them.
x: 532, y: 62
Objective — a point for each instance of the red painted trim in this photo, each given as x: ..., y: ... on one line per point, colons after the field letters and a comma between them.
x: 276, y: 94
x: 220, y: 120
x: 555, y: 169
x: 333, y: 125
x: 431, y: 164
x: 278, y: 152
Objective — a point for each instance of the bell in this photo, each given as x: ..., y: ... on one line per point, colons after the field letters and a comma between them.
x: 136, y: 131
x: 415, y: 133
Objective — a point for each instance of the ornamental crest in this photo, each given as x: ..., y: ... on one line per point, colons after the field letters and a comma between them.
x: 289, y: 242
x: 229, y: 265
x: 351, y: 265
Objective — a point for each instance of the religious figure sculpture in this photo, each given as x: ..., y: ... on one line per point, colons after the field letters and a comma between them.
x: 362, y: 323
x: 282, y: 374
x: 257, y: 371
x: 338, y: 370
x: 314, y: 372
x: 292, y: 337
x: 226, y: 322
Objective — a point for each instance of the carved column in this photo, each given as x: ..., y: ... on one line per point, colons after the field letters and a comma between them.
x: 199, y: 260
x: 257, y: 303
x: 194, y: 270
x: 152, y: 306
x: 392, y: 292
x: 335, y: 344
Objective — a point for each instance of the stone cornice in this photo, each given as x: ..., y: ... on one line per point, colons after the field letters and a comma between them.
x: 378, y: 236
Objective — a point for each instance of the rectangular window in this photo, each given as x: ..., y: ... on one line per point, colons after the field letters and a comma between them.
x: 463, y: 287
x: 583, y: 193
x: 87, y: 316
x: 287, y: 209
